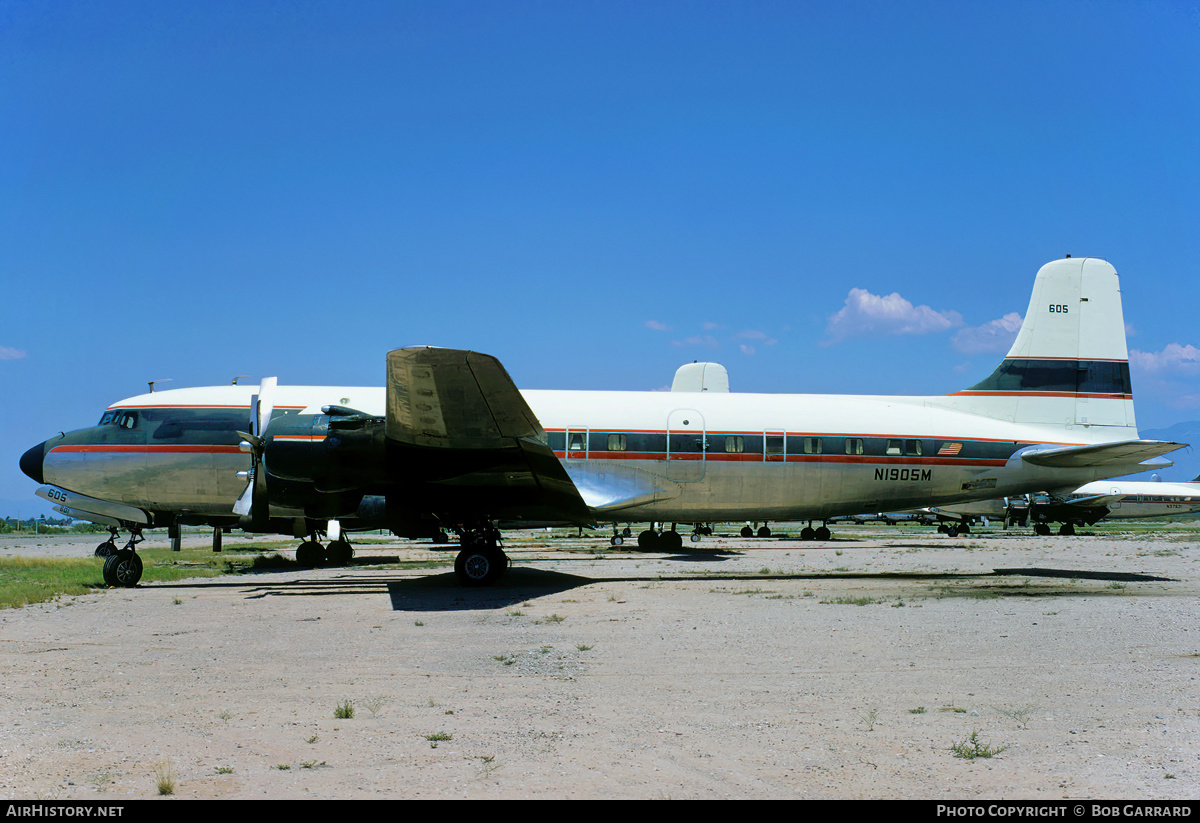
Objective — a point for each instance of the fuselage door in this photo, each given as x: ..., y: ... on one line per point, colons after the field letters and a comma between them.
x: 774, y: 446
x: 577, y: 443
x: 686, y: 445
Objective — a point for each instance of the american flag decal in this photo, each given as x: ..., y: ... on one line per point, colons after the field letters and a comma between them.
x: 950, y: 448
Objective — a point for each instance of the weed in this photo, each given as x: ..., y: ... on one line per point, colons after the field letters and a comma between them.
x: 344, y: 710
x: 973, y: 748
x: 418, y: 622
x: 225, y: 715
x: 375, y: 704
x: 870, y: 717
x: 846, y: 600
x: 917, y: 710
x: 176, y: 601
x: 164, y: 778
x: 312, y: 739
x: 506, y: 659
x: 224, y: 769
x: 555, y: 618
x: 437, y: 737
x: 311, y: 764
x: 516, y: 613
x: 583, y: 647
x: 1021, y: 714
x: 283, y: 767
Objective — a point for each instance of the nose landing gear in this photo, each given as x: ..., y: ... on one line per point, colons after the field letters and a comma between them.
x: 123, y: 567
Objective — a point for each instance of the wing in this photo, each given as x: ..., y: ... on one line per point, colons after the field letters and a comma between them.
x: 464, y: 444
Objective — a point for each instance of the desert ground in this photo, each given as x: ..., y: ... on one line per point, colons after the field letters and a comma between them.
x: 759, y: 668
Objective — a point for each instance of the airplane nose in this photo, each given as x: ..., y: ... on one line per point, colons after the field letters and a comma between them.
x: 31, y: 462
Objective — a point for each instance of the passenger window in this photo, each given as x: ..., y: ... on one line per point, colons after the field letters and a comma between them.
x: 912, y: 448
x: 575, y: 444
x: 893, y: 447
x: 854, y: 445
x: 735, y: 444
x: 812, y: 445
x: 616, y: 442
x: 774, y: 444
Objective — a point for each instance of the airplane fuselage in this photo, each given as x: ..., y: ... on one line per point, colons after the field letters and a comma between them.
x: 635, y: 456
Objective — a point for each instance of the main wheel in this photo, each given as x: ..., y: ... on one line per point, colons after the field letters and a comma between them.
x: 822, y: 533
x: 479, y: 567
x: 671, y: 541
x: 648, y: 540
x: 106, y: 549
x: 123, y: 569
x: 310, y: 553
x: 339, y: 553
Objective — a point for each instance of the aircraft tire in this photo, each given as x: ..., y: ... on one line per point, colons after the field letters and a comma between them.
x: 671, y: 541
x: 764, y: 531
x: 648, y: 541
x: 339, y: 553
x: 822, y: 533
x: 106, y: 549
x: 309, y: 554
x: 123, y: 569
x: 808, y: 533
x: 746, y: 531
x: 480, y: 567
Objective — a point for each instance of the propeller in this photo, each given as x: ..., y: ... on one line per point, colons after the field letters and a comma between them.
x: 252, y: 442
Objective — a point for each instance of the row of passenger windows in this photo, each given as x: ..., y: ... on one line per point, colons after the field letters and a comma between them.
x: 580, y: 442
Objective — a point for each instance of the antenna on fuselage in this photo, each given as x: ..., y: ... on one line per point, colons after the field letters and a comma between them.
x: 161, y: 380
x: 239, y: 377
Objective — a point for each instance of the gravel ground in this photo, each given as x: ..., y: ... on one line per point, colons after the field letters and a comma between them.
x: 741, y: 669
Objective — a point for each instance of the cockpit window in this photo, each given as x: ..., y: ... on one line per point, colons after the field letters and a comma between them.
x: 120, y: 417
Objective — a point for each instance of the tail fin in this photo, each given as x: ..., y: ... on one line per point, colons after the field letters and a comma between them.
x: 1069, y: 365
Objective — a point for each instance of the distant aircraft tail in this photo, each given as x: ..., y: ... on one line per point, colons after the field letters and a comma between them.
x: 1069, y: 365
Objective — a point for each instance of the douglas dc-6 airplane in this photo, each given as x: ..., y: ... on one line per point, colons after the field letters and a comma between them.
x: 451, y: 444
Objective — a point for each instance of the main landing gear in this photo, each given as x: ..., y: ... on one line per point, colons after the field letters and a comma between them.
x: 122, y: 567
x: 311, y: 553
x: 482, y: 560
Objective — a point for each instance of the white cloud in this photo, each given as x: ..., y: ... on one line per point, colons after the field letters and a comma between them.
x: 657, y: 326
x: 993, y: 336
x: 7, y: 353
x: 1173, y: 359
x: 870, y: 314
x: 746, y: 348
x: 707, y: 340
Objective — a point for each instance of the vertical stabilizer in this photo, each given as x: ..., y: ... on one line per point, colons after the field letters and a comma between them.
x: 1069, y: 365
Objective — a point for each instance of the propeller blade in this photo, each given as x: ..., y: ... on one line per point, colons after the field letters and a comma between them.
x: 253, y: 496
x: 266, y: 404
x: 242, y: 506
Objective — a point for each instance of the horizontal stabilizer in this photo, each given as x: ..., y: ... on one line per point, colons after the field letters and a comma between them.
x: 1125, y: 452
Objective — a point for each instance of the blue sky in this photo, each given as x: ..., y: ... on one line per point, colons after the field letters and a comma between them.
x: 825, y: 197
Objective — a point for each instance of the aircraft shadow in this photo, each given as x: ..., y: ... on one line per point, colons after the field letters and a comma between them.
x: 442, y: 592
